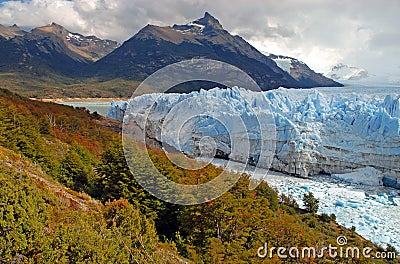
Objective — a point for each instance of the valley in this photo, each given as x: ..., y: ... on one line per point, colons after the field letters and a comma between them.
x: 99, y: 166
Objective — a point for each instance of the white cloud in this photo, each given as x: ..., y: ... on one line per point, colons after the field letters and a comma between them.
x: 363, y: 33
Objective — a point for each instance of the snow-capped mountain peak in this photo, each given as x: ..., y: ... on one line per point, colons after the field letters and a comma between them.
x: 90, y: 47
x: 343, y: 72
x: 208, y: 22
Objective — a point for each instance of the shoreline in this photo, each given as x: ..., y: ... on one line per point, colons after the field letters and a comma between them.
x: 77, y: 99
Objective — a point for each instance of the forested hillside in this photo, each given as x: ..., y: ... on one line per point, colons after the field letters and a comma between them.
x: 67, y: 196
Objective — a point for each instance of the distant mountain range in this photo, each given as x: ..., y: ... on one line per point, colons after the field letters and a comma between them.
x: 52, y: 49
x: 343, y: 72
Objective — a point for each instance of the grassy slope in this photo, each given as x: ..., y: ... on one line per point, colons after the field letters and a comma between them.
x: 56, y: 86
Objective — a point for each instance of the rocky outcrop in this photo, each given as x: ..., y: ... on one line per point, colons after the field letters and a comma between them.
x: 11, y: 32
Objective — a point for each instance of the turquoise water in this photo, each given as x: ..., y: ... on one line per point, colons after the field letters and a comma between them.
x: 99, y: 107
x: 102, y: 107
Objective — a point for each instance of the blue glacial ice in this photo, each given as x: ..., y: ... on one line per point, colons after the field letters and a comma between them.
x: 315, y: 132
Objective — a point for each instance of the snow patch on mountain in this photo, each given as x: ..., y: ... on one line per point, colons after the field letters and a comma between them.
x: 197, y: 25
x: 70, y: 35
x: 284, y: 63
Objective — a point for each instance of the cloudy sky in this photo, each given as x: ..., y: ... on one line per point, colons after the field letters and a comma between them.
x: 361, y: 33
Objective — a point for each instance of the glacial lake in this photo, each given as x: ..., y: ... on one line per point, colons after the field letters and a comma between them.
x: 101, y: 107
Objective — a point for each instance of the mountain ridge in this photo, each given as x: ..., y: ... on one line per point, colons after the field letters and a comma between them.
x: 11, y: 31
x: 91, y: 47
x: 52, y: 51
x: 154, y: 47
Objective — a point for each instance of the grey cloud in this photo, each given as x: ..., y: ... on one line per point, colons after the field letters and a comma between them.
x: 272, y: 32
x: 385, y: 39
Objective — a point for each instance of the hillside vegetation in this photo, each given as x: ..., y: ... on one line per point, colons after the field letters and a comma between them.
x: 56, y: 86
x: 67, y: 196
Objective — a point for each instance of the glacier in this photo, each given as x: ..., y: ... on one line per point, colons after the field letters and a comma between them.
x: 343, y: 142
x: 316, y: 132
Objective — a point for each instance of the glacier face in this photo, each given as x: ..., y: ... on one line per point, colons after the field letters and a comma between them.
x: 315, y: 133
x: 227, y: 123
x: 335, y: 135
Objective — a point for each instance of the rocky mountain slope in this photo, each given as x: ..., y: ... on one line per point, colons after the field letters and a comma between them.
x: 154, y: 47
x: 50, y: 49
x: 10, y: 32
x: 90, y: 47
x: 300, y: 71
